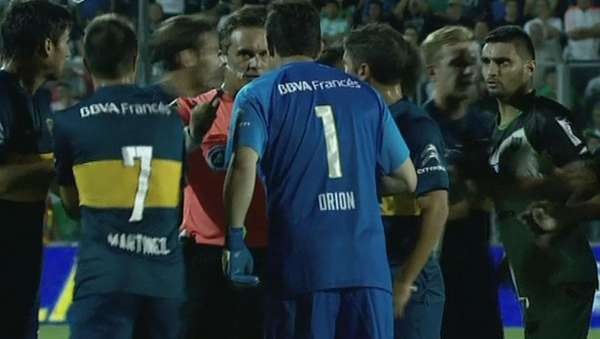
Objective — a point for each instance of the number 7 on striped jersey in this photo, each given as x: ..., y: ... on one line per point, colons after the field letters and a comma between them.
x: 144, y: 153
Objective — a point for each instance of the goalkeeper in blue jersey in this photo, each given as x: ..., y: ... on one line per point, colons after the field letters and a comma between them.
x: 322, y: 140
x: 379, y: 55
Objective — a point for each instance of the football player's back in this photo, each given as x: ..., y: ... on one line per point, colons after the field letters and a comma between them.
x: 322, y: 140
x: 320, y: 167
x: 119, y: 159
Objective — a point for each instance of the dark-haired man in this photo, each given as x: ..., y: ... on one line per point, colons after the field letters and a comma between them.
x: 322, y: 139
x: 243, y: 54
x: 555, y: 272
x: 379, y: 55
x: 471, y: 311
x: 35, y: 38
x: 185, y: 48
x: 119, y: 157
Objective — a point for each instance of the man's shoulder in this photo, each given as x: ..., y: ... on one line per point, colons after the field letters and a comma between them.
x: 546, y: 107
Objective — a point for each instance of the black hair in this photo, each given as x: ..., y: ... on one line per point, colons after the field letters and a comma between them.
x: 27, y: 25
x: 110, y: 46
x: 390, y: 57
x: 175, y: 35
x: 516, y: 36
x: 247, y: 16
x: 293, y: 28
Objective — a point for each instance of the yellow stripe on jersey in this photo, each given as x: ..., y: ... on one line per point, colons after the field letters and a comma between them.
x: 399, y: 205
x: 47, y: 156
x: 110, y: 184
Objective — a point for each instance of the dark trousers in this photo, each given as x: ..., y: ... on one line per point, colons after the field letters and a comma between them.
x: 214, y: 309
x: 21, y: 262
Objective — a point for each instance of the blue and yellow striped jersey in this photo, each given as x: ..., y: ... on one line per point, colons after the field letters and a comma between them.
x: 123, y: 149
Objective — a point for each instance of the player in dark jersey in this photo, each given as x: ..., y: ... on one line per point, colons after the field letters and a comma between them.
x: 379, y: 55
x: 321, y: 139
x: 35, y: 35
x: 583, y: 180
x: 555, y: 274
x: 451, y: 58
x: 119, y: 164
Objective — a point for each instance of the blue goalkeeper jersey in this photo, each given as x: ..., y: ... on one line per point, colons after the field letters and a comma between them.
x: 324, y: 138
x: 123, y: 149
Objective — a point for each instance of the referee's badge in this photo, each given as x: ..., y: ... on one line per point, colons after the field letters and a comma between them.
x: 216, y: 158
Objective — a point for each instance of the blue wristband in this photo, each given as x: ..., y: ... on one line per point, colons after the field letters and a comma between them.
x: 235, y: 239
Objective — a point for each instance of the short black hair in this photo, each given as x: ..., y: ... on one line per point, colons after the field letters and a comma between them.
x: 390, y: 57
x: 293, y: 28
x: 175, y: 35
x: 27, y: 25
x: 247, y: 16
x: 514, y: 35
x: 110, y: 46
x: 332, y: 55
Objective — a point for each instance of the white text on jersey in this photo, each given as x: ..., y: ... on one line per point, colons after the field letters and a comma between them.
x: 138, y: 243
x: 337, y: 201
x: 124, y: 108
x: 316, y: 85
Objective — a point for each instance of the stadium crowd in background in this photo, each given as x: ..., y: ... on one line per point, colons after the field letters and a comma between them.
x: 250, y: 162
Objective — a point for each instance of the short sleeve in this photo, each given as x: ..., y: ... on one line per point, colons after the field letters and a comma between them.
x: 560, y: 141
x: 62, y: 154
x: 394, y: 151
x: 427, y: 153
x: 248, y: 126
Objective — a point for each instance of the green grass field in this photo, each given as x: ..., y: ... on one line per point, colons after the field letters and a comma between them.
x: 62, y: 332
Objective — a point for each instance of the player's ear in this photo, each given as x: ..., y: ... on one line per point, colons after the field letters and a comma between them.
x: 187, y: 58
x: 430, y: 69
x: 530, y: 67
x: 222, y: 59
x: 47, y: 48
x: 363, y: 72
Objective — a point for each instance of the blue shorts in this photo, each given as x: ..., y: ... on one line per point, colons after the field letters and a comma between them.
x: 424, y: 312
x: 349, y: 313
x: 125, y: 316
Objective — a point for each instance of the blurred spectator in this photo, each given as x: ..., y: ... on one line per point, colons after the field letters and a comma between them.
x: 411, y: 35
x: 375, y: 12
x: 545, y: 31
x: 62, y: 96
x: 155, y: 15
x: 481, y: 30
x: 333, y: 25
x: 473, y: 9
x: 172, y: 7
x: 453, y: 16
x: 579, y: 21
x: 592, y: 134
x: 549, y: 85
x: 512, y: 14
x: 411, y: 13
x: 332, y: 56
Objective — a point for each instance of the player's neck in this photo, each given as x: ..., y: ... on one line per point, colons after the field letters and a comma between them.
x: 294, y: 58
x: 508, y: 113
x: 511, y: 107
x: 390, y: 93
x: 101, y: 82
x: 181, y: 84
x: 30, y: 79
x: 451, y: 107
